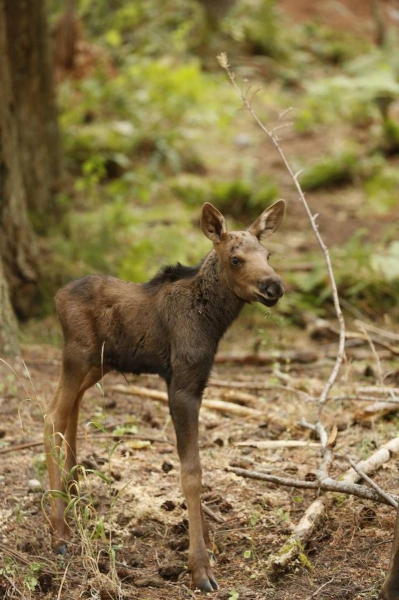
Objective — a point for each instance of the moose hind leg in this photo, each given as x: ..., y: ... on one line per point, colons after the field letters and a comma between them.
x: 92, y: 377
x: 56, y: 423
x: 185, y: 411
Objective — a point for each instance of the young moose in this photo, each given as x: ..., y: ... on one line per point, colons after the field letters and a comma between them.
x: 171, y: 326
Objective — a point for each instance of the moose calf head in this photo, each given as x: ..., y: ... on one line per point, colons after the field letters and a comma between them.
x: 243, y: 258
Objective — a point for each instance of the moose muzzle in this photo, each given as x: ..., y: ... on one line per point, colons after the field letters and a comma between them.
x: 271, y: 290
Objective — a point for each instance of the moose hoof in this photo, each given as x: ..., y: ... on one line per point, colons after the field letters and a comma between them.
x: 206, y: 582
x: 210, y: 585
x: 61, y: 549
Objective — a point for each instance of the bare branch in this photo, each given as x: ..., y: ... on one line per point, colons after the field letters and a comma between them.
x: 327, y: 484
x: 381, y: 332
x: 211, y: 514
x: 371, y: 482
x: 341, y: 347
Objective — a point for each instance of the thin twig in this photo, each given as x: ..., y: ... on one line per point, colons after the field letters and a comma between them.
x: 341, y: 347
x: 371, y: 482
x: 211, y: 514
x: 63, y: 581
x: 258, y: 385
x: 381, y: 332
x: 320, y: 588
x: 374, y: 353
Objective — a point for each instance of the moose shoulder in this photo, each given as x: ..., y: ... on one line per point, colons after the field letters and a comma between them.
x: 171, y: 326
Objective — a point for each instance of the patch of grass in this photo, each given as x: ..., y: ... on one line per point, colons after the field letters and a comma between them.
x: 258, y: 26
x: 365, y: 275
x: 382, y: 190
x: 241, y: 197
x: 330, y: 171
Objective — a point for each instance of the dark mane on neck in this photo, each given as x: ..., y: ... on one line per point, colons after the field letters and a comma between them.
x: 170, y: 274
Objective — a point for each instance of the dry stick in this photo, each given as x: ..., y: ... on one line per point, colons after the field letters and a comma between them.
x: 328, y: 484
x: 264, y: 358
x: 364, y: 337
x: 257, y: 385
x: 377, y: 409
x: 387, y: 334
x: 373, y: 389
x: 219, y: 405
x: 312, y: 218
x: 371, y: 482
x: 374, y: 353
x: 272, y: 444
x: 319, y: 589
x: 127, y: 436
x: 211, y: 514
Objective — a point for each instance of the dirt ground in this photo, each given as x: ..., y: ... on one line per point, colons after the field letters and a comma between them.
x: 142, y: 508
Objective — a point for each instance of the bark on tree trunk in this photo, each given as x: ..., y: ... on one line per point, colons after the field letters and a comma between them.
x: 28, y: 43
x: 18, y: 244
x: 8, y: 322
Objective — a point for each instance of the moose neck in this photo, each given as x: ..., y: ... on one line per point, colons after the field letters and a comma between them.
x: 213, y: 298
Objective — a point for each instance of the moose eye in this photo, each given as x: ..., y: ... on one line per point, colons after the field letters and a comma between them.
x: 234, y: 261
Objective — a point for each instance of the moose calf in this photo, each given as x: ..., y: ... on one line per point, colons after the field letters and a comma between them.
x: 171, y: 326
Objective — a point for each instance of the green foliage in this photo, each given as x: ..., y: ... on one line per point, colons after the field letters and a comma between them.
x: 259, y: 26
x: 364, y: 273
x: 243, y: 197
x: 361, y: 94
x: 330, y: 171
x: 329, y: 45
x: 150, y: 113
x: 382, y: 189
x: 386, y: 263
x: 145, y: 134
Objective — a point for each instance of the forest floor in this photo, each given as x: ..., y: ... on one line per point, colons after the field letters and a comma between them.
x: 140, y: 507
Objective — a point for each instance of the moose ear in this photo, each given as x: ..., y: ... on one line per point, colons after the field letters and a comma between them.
x: 269, y: 221
x: 213, y: 223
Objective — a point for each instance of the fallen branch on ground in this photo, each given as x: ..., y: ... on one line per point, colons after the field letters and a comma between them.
x: 263, y: 358
x: 378, y: 409
x: 219, y: 405
x: 271, y: 444
x: 211, y: 514
x: 371, y: 483
x: 322, y: 327
x: 125, y: 436
x: 258, y: 385
x: 318, y: 508
x: 314, y: 514
x: 327, y: 485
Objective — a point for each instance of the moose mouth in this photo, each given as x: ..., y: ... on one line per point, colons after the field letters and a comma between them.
x: 267, y: 301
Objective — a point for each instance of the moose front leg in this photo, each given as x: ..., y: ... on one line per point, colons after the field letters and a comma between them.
x: 184, y: 408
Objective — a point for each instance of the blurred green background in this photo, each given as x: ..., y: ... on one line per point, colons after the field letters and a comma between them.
x: 151, y: 129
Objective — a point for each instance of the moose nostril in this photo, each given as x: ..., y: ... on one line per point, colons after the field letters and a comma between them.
x: 273, y: 289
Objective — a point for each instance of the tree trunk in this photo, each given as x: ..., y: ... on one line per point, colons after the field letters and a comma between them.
x: 18, y: 244
x: 34, y: 111
x: 8, y: 322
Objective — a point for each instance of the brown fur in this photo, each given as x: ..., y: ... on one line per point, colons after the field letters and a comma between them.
x: 171, y: 326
